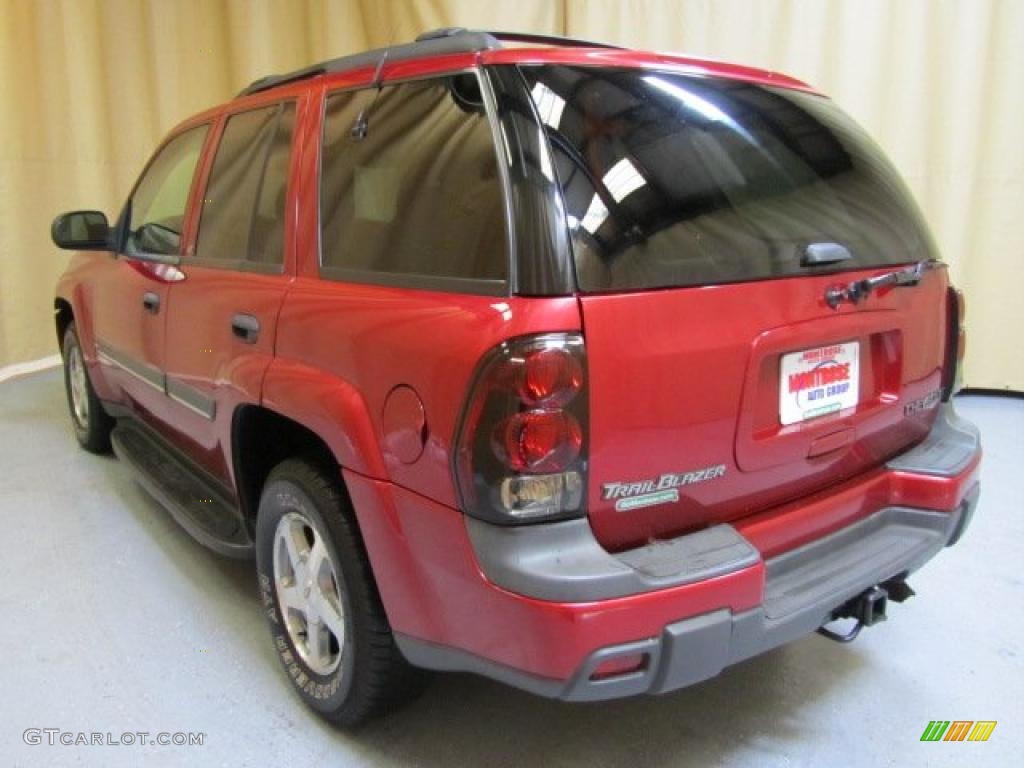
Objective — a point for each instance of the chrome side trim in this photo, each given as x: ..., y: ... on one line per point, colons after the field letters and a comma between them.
x: 191, y: 398
x: 177, y: 390
x: 144, y: 372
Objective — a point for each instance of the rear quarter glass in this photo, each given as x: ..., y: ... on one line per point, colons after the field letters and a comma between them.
x: 675, y: 180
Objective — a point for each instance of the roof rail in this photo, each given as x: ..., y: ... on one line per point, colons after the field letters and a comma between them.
x: 434, y: 43
x: 529, y: 37
x: 458, y: 41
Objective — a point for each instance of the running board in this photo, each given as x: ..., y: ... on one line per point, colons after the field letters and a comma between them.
x: 195, y: 502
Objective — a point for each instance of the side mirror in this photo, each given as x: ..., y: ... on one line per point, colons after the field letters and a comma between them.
x: 81, y: 231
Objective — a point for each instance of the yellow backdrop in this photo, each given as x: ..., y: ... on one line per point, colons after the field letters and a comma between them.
x: 89, y: 87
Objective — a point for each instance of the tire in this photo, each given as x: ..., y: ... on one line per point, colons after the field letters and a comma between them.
x: 305, y: 516
x: 91, y: 424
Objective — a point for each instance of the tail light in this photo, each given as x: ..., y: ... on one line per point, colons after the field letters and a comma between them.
x: 956, y: 341
x: 520, y: 450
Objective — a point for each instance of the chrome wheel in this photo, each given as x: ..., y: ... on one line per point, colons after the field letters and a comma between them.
x: 79, y: 387
x: 307, y: 591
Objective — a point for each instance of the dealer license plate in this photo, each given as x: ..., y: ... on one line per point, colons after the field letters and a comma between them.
x: 816, y: 382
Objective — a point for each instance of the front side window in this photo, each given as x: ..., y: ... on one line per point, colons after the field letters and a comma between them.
x: 242, y: 220
x: 676, y: 180
x: 416, y: 201
x: 157, y: 208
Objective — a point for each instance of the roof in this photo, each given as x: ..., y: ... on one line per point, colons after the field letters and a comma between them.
x: 454, y: 40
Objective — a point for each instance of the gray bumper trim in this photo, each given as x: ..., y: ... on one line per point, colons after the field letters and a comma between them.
x: 802, y: 589
x: 947, y: 451
x: 563, y: 561
x: 829, y: 571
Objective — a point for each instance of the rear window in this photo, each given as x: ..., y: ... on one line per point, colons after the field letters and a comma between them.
x: 417, y: 201
x: 676, y: 180
x: 242, y: 223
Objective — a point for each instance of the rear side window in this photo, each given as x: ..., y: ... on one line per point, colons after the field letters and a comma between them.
x: 417, y: 201
x: 242, y: 220
x: 674, y: 180
x: 157, y: 212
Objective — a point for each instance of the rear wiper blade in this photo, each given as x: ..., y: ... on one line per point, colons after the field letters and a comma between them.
x: 856, y: 290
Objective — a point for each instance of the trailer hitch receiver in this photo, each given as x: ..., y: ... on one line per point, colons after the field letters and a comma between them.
x: 867, y: 609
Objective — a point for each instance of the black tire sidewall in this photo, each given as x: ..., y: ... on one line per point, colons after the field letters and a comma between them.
x: 286, y: 492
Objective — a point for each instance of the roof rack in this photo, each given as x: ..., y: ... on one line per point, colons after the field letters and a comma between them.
x: 434, y: 43
x: 529, y: 37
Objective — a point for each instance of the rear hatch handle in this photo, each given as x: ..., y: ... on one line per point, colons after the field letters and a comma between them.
x: 856, y: 290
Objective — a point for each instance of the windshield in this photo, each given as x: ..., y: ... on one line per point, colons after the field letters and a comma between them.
x: 677, y: 180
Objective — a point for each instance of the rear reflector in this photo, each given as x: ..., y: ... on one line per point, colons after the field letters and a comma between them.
x: 620, y: 665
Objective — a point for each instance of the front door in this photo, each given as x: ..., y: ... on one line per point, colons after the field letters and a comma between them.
x: 130, y: 302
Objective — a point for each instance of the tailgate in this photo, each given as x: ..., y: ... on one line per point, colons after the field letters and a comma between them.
x: 689, y: 389
x: 710, y: 222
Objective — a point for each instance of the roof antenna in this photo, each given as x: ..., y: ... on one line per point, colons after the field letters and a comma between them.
x: 361, y: 126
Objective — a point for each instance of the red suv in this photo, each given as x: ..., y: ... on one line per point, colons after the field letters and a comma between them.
x: 590, y: 370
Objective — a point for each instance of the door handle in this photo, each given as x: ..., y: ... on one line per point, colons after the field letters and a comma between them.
x: 245, y: 327
x: 151, y: 302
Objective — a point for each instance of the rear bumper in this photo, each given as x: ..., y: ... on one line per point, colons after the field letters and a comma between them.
x: 542, y: 607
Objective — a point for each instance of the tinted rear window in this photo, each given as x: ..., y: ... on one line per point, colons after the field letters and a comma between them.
x: 418, y: 200
x: 242, y: 222
x: 674, y: 180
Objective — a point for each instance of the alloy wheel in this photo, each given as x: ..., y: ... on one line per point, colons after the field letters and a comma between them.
x: 79, y: 387
x: 307, y: 589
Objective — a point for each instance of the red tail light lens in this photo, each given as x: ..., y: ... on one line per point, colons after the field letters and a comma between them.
x: 956, y: 343
x: 550, y: 376
x: 521, y: 447
x: 538, y: 441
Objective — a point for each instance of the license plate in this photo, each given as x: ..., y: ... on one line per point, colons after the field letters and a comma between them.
x: 817, y: 382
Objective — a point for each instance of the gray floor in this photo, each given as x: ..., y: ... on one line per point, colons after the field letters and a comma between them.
x: 114, y: 620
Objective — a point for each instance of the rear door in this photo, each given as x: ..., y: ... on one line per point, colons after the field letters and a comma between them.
x: 223, y: 314
x: 709, y: 219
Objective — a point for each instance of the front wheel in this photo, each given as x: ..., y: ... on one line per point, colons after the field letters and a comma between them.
x: 91, y: 423
x: 327, y: 622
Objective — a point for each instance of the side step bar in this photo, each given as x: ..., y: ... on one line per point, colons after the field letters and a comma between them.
x: 197, y: 503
